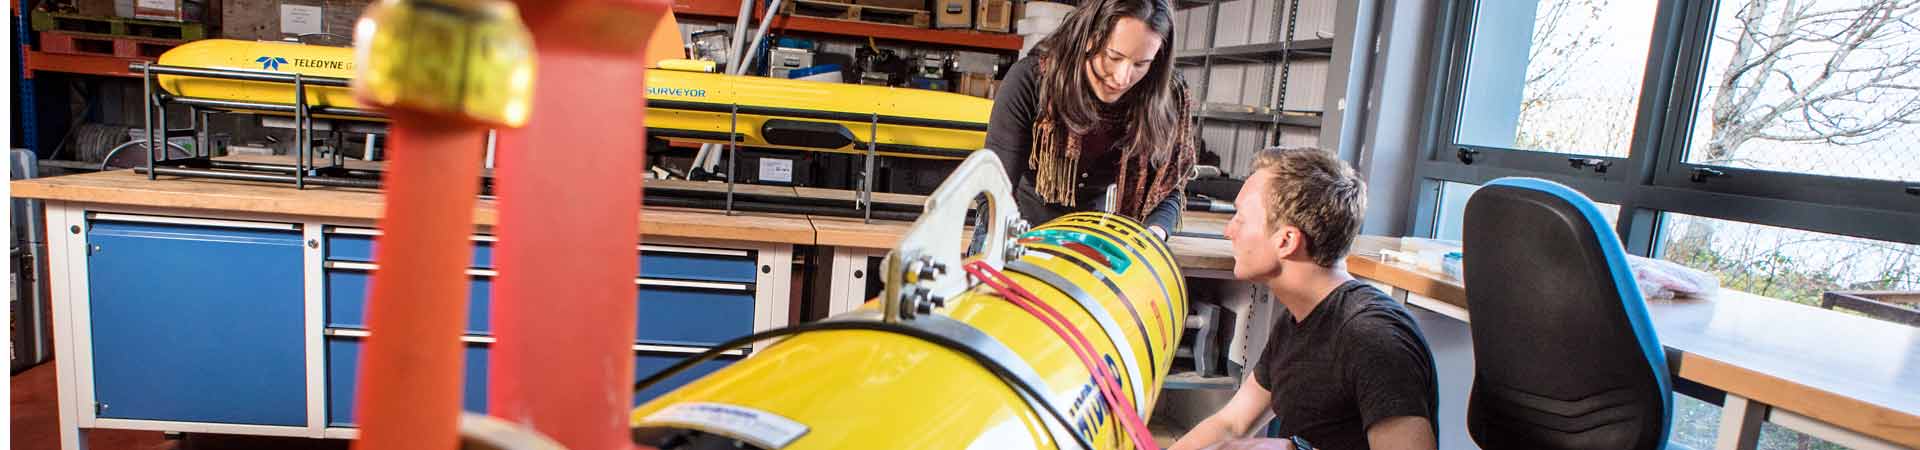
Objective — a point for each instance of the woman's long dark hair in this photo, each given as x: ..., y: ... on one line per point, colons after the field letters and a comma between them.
x: 1150, y: 106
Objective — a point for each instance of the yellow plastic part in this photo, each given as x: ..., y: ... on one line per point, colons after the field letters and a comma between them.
x: 715, y: 93
x: 867, y: 389
x: 687, y: 65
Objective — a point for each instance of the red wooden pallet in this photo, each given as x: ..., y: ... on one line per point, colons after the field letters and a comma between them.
x: 104, y: 45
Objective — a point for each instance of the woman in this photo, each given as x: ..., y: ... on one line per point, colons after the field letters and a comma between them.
x: 1097, y: 104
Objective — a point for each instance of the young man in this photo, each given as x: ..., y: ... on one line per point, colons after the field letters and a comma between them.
x: 1345, y: 367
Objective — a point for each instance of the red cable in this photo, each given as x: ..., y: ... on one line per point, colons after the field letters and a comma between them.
x: 1082, y: 348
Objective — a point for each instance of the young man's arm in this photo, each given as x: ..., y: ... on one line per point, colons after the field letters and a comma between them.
x: 1401, y: 433
x: 1248, y: 405
x: 1393, y: 379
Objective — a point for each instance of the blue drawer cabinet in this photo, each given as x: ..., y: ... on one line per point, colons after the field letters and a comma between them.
x: 197, y: 323
x: 343, y: 373
x: 347, y: 292
x: 343, y: 359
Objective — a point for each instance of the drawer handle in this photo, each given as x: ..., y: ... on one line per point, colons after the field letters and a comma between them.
x: 114, y: 217
x: 477, y: 339
x: 694, y: 284
x: 489, y: 273
x: 694, y: 250
x: 369, y: 267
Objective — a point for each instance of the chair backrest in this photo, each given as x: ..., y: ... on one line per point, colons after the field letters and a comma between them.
x: 1564, y: 354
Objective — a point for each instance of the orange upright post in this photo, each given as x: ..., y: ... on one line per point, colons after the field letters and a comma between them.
x: 569, y: 186
x: 445, y: 71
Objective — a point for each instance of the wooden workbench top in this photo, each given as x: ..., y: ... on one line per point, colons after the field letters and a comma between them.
x: 123, y: 187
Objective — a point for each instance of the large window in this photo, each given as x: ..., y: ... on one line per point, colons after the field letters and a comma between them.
x: 1558, y: 76
x: 1822, y: 87
x: 1773, y: 143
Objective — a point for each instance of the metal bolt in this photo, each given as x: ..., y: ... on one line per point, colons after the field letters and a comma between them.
x: 859, y: 274
x: 313, y: 243
x: 75, y: 229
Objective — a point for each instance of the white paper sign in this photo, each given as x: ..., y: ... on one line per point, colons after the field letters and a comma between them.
x: 777, y: 170
x: 760, y: 428
x: 156, y: 4
x: 301, y: 19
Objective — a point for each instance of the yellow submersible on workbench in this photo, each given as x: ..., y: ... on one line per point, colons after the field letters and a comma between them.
x: 686, y: 106
x: 943, y: 359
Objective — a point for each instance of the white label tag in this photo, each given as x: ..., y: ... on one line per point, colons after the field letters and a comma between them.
x: 300, y: 20
x: 775, y: 169
x: 156, y: 4
x: 760, y: 428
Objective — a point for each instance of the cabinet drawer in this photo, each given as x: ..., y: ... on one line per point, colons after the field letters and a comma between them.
x: 360, y: 248
x: 698, y: 264
x: 343, y: 372
x: 347, y: 292
x: 343, y: 359
x: 668, y: 312
x: 693, y: 314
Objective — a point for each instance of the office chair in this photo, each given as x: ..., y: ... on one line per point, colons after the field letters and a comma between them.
x: 1564, y: 354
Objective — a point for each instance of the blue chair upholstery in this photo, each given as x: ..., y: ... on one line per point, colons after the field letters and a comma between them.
x: 1564, y: 354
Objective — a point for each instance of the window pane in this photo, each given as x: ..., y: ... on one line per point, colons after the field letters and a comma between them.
x: 1559, y: 76
x: 1453, y: 208
x: 1826, y: 87
x: 1785, y: 263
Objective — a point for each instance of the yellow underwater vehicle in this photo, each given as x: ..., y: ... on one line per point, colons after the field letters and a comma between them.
x: 683, y: 106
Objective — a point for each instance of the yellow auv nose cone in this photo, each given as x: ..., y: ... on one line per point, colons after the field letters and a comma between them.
x: 463, y: 59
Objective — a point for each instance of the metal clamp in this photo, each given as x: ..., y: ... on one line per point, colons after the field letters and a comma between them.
x: 920, y: 265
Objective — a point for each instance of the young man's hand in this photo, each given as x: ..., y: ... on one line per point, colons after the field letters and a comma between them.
x: 1254, y: 444
x: 1158, y: 232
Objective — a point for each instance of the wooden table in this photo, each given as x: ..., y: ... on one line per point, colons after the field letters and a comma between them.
x: 1844, y: 378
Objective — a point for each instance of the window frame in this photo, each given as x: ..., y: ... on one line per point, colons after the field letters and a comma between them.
x: 1654, y: 177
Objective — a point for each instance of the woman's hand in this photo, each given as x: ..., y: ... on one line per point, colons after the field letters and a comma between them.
x: 1158, y: 232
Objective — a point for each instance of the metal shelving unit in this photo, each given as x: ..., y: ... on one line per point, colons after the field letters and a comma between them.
x: 1281, y: 53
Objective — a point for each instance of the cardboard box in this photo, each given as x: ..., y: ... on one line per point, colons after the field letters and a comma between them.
x: 953, y: 13
x: 994, y: 15
x: 168, y: 10
x: 978, y: 85
x: 324, y: 22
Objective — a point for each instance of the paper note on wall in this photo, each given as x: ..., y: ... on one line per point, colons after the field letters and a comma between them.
x: 300, y: 20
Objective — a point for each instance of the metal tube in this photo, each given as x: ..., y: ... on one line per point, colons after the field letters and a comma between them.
x: 146, y: 103
x: 244, y: 176
x: 733, y: 153
x: 160, y: 115
x: 228, y: 74
x: 739, y: 34
x: 866, y: 187
x: 299, y: 131
x: 753, y: 48
x: 275, y: 107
